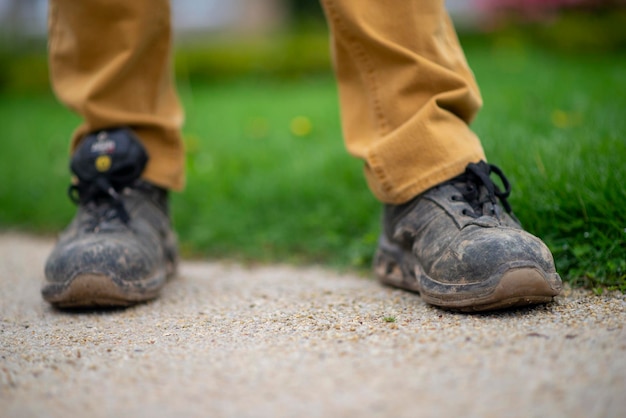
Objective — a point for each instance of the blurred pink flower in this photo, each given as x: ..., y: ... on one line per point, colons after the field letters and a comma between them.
x: 539, y: 9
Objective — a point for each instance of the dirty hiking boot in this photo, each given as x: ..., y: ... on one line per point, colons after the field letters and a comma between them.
x: 119, y: 248
x: 457, y: 247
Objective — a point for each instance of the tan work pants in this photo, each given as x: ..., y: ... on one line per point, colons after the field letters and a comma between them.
x: 406, y: 92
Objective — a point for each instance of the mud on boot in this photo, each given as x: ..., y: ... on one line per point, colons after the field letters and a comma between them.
x: 459, y: 245
x: 120, y: 248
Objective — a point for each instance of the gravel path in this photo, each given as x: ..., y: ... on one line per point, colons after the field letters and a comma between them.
x: 227, y: 340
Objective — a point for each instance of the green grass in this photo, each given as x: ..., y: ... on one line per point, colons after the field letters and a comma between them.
x: 258, y: 192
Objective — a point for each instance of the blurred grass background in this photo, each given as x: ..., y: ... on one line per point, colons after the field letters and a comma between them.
x: 270, y: 181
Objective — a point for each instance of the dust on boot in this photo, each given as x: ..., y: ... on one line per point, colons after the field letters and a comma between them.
x: 459, y: 245
x: 120, y: 248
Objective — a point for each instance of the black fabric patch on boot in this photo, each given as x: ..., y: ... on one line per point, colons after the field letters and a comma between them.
x: 105, y: 163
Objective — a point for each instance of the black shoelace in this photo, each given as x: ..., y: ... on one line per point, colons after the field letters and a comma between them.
x: 476, y: 177
x: 101, y: 198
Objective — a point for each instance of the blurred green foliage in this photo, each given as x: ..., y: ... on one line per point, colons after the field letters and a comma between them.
x: 283, y: 56
x: 597, y: 31
x: 23, y: 71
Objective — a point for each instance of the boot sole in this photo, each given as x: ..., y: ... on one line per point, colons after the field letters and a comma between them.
x: 99, y: 290
x: 510, y: 287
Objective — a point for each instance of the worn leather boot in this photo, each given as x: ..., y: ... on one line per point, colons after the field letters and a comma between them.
x: 459, y: 245
x: 120, y: 248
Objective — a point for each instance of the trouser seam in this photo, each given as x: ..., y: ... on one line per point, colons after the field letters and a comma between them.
x: 362, y: 60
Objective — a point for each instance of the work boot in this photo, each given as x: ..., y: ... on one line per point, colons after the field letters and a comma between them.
x: 119, y: 249
x: 459, y: 245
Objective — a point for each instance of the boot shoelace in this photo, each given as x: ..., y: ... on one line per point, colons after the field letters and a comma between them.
x: 101, y: 200
x: 477, y: 177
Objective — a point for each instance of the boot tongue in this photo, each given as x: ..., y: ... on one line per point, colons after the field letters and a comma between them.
x: 105, y: 163
x: 472, y: 193
x: 480, y: 191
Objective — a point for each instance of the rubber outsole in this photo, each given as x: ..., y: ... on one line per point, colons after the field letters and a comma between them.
x: 512, y: 287
x: 93, y: 290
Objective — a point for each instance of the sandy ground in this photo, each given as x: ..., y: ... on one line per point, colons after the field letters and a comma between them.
x: 227, y: 340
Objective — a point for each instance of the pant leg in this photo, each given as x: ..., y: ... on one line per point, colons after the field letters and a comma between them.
x: 406, y: 93
x: 110, y: 62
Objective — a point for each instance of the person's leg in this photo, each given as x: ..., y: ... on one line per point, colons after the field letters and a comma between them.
x: 110, y: 62
x: 407, y: 97
x: 406, y: 93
